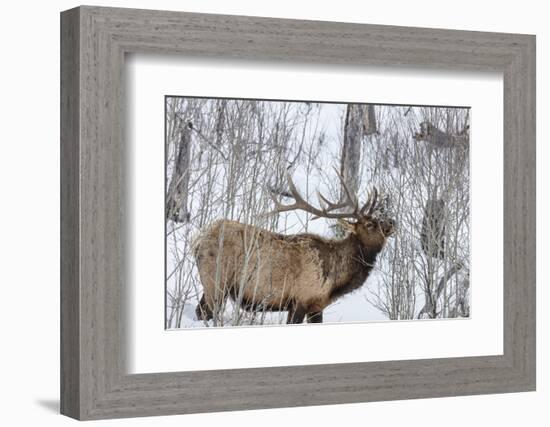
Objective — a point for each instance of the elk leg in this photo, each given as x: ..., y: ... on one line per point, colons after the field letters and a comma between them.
x: 296, y: 314
x: 315, y: 317
x: 203, y: 310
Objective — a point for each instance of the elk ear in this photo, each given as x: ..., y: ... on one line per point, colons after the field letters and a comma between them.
x: 348, y: 226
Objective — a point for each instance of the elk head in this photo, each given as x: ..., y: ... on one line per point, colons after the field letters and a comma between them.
x: 369, y: 222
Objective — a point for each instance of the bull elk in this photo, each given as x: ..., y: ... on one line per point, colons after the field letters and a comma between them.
x: 300, y: 273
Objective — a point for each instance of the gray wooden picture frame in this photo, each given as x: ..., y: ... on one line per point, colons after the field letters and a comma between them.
x: 94, y: 41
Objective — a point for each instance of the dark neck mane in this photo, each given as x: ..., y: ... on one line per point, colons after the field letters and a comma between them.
x: 356, y: 264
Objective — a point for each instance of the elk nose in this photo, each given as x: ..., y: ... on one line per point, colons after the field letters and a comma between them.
x: 388, y: 227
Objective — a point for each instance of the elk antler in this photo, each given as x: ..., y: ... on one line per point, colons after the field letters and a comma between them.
x: 369, y: 205
x: 350, y: 198
x: 302, y: 204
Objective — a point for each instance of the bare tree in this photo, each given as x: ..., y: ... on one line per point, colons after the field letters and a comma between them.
x: 425, y: 270
x: 176, y: 199
x: 236, y: 155
x: 360, y: 121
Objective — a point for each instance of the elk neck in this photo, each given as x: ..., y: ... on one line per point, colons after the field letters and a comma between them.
x: 354, y: 261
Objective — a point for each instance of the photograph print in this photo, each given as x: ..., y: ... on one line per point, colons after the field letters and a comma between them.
x: 297, y: 212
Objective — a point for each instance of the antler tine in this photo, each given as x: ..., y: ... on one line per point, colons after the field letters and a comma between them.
x: 351, y: 197
x: 374, y: 201
x: 370, y: 204
x: 301, y: 203
x: 366, y: 204
x: 279, y: 207
x: 331, y: 206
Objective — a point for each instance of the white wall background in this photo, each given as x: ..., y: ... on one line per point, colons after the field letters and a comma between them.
x: 29, y: 224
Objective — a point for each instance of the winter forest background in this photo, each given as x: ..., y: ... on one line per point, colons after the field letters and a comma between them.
x: 228, y: 158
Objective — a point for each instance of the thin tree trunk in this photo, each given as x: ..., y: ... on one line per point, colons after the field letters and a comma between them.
x: 178, y: 192
x: 360, y: 121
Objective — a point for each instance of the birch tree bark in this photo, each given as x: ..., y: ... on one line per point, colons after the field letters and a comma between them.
x: 360, y: 121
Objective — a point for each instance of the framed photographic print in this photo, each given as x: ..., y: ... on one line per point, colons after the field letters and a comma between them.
x: 286, y: 213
